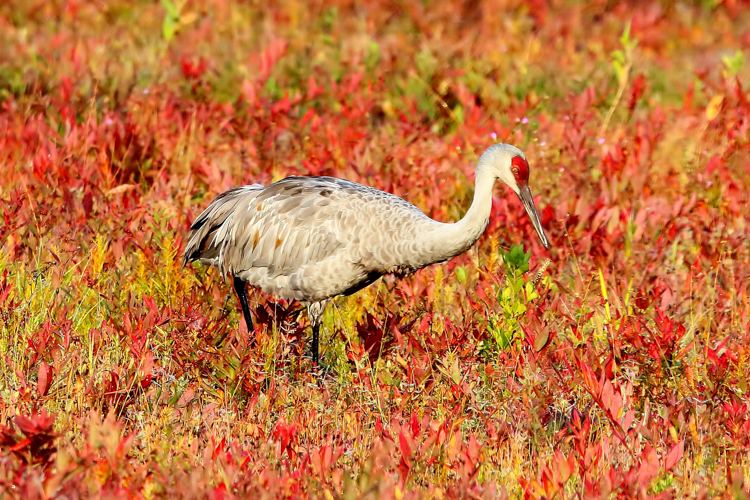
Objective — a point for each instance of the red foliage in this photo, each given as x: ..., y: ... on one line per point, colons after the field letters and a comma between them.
x: 35, y: 443
x: 623, y: 375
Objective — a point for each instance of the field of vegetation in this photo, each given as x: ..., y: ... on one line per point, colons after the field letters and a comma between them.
x: 613, y: 365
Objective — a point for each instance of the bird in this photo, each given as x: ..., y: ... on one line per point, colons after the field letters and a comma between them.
x: 311, y: 239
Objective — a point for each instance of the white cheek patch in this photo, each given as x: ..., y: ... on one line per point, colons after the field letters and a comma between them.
x: 507, y: 176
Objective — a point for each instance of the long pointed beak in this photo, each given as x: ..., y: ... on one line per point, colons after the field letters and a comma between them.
x: 527, y: 199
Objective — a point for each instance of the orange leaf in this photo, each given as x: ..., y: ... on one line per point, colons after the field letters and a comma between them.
x: 121, y: 189
x: 564, y: 466
x: 541, y: 340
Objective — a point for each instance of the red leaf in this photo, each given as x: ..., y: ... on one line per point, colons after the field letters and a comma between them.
x: 414, y: 423
x: 381, y: 430
x: 714, y: 163
x: 44, y: 380
x: 148, y: 366
x: 249, y: 92
x: 649, y: 468
x: 313, y: 90
x: 627, y: 420
x: 675, y: 454
x: 473, y: 449
x: 20, y: 445
x: 192, y: 69
x: 405, y: 449
x: 608, y: 394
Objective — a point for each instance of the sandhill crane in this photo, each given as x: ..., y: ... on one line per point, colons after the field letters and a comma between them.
x: 313, y: 238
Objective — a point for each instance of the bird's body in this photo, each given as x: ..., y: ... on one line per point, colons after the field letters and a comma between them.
x: 313, y: 238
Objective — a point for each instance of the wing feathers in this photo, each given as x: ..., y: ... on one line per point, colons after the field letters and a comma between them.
x: 280, y: 235
x: 208, y: 231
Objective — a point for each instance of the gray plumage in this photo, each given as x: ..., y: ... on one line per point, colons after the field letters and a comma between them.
x: 313, y: 238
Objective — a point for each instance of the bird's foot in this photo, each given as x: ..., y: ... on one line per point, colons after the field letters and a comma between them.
x: 318, y: 368
x: 321, y: 370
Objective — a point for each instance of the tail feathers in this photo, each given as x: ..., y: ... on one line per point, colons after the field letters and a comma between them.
x: 202, y: 244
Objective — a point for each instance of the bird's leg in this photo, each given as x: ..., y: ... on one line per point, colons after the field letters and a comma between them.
x: 315, y: 313
x: 239, y: 287
x: 315, y: 340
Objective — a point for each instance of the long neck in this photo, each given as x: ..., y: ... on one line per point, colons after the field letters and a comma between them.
x: 445, y: 241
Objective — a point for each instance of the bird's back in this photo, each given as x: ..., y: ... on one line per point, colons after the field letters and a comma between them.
x: 308, y: 238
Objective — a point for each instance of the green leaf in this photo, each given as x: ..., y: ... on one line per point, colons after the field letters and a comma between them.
x: 734, y: 63
x: 171, y: 8
x: 329, y: 18
x: 505, y: 340
x: 372, y: 59
x: 625, y: 38
x: 458, y: 113
x: 530, y: 291
x: 506, y: 294
x: 426, y: 64
x: 618, y: 57
x: 168, y: 28
x: 175, y: 397
x: 272, y: 88
x: 461, y: 274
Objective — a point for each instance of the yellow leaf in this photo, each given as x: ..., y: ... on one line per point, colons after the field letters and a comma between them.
x: 398, y: 493
x: 694, y: 430
x: 388, y: 109
x: 604, y: 294
x: 673, y: 433
x: 714, y: 106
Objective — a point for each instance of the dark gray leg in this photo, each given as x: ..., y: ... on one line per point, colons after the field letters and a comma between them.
x: 315, y: 313
x: 239, y: 287
x: 315, y: 353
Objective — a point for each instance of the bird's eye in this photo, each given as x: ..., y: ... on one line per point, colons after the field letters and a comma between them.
x: 514, y: 170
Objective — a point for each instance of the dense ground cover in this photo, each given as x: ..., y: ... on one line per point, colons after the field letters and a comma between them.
x: 614, y: 364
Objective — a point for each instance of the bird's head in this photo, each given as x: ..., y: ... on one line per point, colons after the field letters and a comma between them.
x: 508, y: 163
